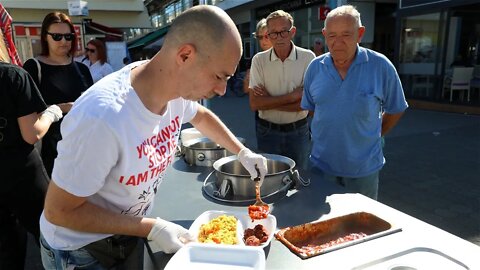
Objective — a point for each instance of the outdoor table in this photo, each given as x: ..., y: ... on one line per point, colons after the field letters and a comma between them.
x: 180, y: 199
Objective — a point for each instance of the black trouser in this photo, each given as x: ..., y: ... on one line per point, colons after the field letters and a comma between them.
x: 24, y: 185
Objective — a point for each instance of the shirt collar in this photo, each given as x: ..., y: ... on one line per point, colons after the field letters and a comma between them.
x: 292, y: 56
x: 360, y: 57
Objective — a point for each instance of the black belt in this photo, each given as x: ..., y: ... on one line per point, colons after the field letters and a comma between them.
x: 283, y: 127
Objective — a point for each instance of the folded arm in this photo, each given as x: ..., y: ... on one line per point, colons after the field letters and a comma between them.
x: 260, y: 99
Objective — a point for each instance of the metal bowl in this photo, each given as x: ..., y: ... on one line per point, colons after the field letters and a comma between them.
x: 232, y: 178
x: 204, y: 152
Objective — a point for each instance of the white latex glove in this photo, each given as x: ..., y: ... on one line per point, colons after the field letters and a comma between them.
x: 249, y: 160
x: 53, y: 112
x: 168, y: 237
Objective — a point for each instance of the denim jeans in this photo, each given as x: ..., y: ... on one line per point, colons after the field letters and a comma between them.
x: 53, y: 259
x: 294, y: 144
x: 366, y: 185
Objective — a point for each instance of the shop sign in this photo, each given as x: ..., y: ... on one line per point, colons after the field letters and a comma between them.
x: 77, y: 8
x: 322, y: 13
x: 287, y: 6
x: 412, y: 3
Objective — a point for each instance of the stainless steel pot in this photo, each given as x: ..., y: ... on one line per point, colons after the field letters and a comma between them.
x: 233, y: 179
x: 204, y: 152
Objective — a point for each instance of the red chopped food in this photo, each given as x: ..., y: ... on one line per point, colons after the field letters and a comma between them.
x: 248, y: 232
x: 255, y: 236
x: 252, y: 241
x: 258, y: 212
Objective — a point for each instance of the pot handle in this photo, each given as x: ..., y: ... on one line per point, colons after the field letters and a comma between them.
x: 201, y: 156
x: 179, y: 151
x: 224, y: 189
x: 299, y: 180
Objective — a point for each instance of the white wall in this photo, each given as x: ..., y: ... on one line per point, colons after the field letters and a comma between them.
x: 112, y: 13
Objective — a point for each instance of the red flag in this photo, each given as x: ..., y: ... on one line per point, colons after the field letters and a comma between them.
x: 6, y: 28
x: 322, y: 13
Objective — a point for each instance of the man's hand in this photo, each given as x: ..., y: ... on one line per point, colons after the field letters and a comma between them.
x: 260, y: 90
x: 168, y: 237
x: 53, y: 113
x: 251, y: 160
x: 297, y: 93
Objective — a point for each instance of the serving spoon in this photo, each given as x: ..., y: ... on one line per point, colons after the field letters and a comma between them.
x: 259, y: 210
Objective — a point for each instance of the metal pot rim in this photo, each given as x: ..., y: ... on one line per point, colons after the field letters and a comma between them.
x: 219, y: 163
x: 190, y: 144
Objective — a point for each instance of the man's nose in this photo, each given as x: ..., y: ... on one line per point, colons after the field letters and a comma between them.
x: 221, y: 89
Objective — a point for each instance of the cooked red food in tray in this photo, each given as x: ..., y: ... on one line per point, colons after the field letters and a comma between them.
x: 255, y: 236
x: 311, y: 239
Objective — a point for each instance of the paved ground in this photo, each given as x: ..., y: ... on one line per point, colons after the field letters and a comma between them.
x: 432, y: 170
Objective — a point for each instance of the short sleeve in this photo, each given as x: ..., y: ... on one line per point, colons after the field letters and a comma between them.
x: 82, y: 164
x: 255, y: 72
x: 29, y: 99
x: 394, y: 101
x: 191, y: 108
x: 307, y: 101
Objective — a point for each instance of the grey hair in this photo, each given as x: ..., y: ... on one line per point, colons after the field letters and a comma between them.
x: 345, y: 10
x: 280, y: 14
x: 260, y: 25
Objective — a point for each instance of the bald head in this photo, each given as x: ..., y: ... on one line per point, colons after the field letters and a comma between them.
x: 204, y: 26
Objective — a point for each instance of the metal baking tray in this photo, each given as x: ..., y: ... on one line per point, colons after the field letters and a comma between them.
x: 306, y: 240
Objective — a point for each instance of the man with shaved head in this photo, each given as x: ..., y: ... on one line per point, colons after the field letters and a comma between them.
x: 120, y: 137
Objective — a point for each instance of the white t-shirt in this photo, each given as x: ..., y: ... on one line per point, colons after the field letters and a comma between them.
x: 99, y: 71
x: 280, y: 78
x: 114, y: 151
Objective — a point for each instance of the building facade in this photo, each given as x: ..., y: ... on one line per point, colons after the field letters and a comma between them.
x: 115, y: 20
x: 434, y: 38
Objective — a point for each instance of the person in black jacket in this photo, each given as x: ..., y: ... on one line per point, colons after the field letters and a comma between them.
x: 24, y: 119
x: 61, y: 80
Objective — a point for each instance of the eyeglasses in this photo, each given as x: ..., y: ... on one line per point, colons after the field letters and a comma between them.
x: 89, y: 50
x: 58, y: 36
x: 283, y: 34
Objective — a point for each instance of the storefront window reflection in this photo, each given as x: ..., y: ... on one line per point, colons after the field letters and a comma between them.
x: 419, y: 39
x: 420, y: 54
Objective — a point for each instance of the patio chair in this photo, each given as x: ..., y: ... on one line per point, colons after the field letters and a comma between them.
x: 422, y: 84
x: 459, y: 81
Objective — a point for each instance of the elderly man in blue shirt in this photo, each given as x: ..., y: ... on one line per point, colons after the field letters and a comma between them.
x: 357, y: 97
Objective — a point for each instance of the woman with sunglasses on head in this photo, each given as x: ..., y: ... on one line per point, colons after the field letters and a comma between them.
x: 97, y: 57
x: 59, y: 79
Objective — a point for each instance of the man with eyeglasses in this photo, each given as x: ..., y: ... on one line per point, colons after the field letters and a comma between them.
x: 276, y: 83
x: 357, y: 97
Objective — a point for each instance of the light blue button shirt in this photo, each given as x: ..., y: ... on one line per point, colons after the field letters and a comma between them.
x: 347, y: 121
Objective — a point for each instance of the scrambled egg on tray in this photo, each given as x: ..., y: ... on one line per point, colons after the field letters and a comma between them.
x: 220, y: 230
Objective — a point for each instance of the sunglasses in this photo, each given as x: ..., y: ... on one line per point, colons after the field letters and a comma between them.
x: 89, y: 50
x: 58, y: 36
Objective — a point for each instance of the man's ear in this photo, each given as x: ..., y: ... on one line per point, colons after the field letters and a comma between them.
x: 361, y: 31
x: 185, y: 53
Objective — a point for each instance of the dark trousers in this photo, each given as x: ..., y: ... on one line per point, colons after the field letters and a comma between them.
x: 24, y: 185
